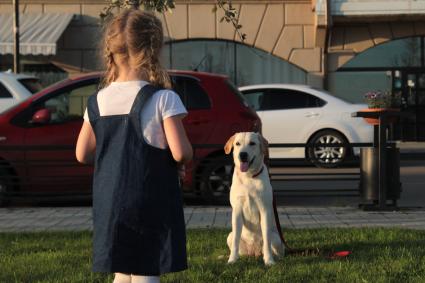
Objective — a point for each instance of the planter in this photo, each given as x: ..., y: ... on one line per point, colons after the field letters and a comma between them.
x: 375, y: 121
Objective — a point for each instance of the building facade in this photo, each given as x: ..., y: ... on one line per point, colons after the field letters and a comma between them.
x: 346, y: 46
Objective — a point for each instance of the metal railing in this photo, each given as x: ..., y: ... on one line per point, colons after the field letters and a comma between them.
x: 295, y: 178
x: 316, y: 177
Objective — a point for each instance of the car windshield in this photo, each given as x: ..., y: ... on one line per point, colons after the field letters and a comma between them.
x: 31, y: 84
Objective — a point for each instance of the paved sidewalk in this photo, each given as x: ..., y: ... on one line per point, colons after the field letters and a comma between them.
x: 80, y: 218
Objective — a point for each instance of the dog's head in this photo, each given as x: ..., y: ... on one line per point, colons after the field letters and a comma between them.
x: 249, y: 149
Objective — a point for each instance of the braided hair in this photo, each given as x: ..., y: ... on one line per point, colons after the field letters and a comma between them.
x: 135, y: 38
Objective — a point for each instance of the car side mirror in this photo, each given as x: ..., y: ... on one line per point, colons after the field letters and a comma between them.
x: 41, y: 116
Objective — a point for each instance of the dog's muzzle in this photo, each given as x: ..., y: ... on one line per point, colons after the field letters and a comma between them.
x: 244, y: 164
x: 243, y: 157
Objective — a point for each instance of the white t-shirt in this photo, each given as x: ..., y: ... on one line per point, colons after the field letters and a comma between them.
x: 118, y: 97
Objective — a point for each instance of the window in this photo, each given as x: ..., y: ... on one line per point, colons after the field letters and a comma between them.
x: 352, y: 86
x: 244, y: 65
x: 254, y: 66
x: 32, y: 85
x: 191, y: 93
x: 404, y: 52
x: 377, y: 68
x: 69, y: 105
x: 4, y: 93
x: 254, y: 99
x: 289, y: 99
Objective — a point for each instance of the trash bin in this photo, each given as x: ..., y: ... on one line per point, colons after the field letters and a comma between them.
x: 369, y: 177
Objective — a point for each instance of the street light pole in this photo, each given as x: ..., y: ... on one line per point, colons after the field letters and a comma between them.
x: 16, y: 36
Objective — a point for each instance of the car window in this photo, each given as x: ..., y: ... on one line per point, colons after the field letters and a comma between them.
x: 277, y: 99
x: 191, y: 93
x: 70, y: 104
x: 4, y: 93
x: 32, y: 85
x: 254, y: 99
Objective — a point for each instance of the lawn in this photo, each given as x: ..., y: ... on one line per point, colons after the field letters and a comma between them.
x: 379, y: 255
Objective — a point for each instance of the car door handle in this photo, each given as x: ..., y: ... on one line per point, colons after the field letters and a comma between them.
x: 311, y: 114
x: 197, y: 121
x: 3, y: 138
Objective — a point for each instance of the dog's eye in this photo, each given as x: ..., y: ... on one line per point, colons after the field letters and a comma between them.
x: 238, y: 143
x: 252, y: 143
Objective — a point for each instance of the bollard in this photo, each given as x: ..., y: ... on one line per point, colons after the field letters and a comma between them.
x: 369, y: 166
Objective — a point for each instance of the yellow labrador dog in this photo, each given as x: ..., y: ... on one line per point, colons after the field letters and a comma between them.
x: 254, y: 230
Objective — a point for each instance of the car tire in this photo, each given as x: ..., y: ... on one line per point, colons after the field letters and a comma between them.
x: 327, y: 157
x: 216, y: 179
x: 5, y: 187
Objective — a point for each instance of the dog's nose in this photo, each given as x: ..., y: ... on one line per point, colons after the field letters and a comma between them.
x: 243, y: 156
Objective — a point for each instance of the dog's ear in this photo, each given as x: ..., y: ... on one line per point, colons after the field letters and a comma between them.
x: 229, y: 144
x: 264, y: 145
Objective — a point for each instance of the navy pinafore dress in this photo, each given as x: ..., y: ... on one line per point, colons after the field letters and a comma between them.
x: 137, y: 205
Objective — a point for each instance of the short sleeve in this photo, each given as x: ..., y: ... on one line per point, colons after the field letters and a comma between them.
x: 86, y: 116
x: 171, y: 104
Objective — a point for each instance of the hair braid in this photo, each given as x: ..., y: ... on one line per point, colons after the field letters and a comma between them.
x: 135, y: 37
x: 110, y: 71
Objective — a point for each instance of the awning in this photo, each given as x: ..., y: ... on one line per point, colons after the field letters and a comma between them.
x: 38, y: 32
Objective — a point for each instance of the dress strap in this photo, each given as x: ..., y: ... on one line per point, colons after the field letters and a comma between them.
x: 142, y: 97
x: 93, y: 107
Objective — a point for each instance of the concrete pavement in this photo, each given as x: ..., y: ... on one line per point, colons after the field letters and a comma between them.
x: 21, y: 219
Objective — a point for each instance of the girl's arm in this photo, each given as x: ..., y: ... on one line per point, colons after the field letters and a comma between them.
x: 177, y: 140
x: 86, y: 144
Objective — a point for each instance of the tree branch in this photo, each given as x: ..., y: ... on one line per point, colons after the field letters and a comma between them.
x: 230, y: 13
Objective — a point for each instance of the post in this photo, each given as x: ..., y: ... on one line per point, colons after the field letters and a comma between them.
x: 16, y: 63
x: 382, y: 160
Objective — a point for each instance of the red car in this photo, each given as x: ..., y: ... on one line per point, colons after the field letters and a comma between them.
x: 38, y: 137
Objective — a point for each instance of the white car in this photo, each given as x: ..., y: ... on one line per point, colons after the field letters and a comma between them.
x: 302, y: 114
x: 15, y: 88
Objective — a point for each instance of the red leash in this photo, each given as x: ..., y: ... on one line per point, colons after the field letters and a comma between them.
x: 302, y: 252
x: 288, y: 249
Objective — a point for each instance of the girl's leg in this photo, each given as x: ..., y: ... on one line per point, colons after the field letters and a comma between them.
x: 144, y: 279
x: 122, y: 278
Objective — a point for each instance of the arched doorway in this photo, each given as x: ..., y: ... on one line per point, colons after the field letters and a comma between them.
x: 397, y: 66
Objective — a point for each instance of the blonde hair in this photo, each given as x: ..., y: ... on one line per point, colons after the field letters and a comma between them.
x: 135, y: 38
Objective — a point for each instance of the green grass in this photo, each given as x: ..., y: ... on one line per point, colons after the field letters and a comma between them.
x: 379, y: 255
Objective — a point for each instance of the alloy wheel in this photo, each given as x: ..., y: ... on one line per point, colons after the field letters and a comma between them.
x: 220, y: 181
x: 326, y: 154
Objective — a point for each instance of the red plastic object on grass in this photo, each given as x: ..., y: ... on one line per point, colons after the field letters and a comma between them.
x: 338, y: 255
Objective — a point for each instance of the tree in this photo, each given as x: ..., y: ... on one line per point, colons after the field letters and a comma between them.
x: 230, y: 13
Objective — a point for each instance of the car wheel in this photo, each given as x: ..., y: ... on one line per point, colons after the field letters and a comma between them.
x: 4, y: 187
x: 216, y: 180
x: 324, y: 156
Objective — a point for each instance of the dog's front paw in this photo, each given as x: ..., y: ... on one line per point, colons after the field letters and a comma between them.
x: 269, y: 261
x: 232, y: 259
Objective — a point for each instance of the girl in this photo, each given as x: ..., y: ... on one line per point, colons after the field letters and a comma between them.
x: 133, y: 133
